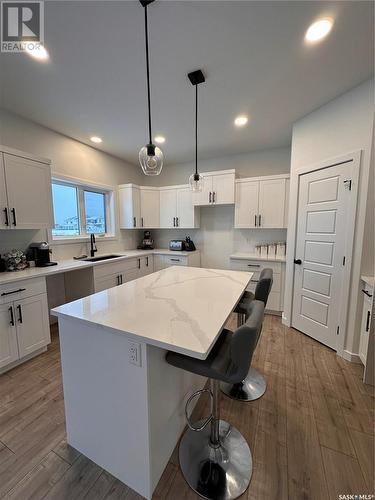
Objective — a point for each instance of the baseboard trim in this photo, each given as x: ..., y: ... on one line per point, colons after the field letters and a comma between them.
x: 352, y: 357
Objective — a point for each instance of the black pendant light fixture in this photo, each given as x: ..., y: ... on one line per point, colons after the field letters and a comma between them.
x: 196, y: 180
x: 150, y: 156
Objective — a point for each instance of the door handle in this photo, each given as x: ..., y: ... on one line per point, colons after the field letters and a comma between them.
x: 298, y: 261
x: 6, y: 217
x: 20, y: 318
x: 210, y: 198
x: 14, y: 216
x: 367, y: 293
x: 368, y: 321
x: 11, y: 322
x: 213, y: 197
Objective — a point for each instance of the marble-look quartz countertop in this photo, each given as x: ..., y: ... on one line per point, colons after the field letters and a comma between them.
x: 369, y: 280
x: 252, y: 256
x: 64, y: 266
x: 182, y: 309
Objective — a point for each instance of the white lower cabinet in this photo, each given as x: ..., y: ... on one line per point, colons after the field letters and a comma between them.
x: 109, y: 275
x: 167, y: 260
x: 24, y: 327
x: 368, y: 293
x: 275, y: 301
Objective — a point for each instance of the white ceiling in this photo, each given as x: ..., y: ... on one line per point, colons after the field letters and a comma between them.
x: 252, y: 53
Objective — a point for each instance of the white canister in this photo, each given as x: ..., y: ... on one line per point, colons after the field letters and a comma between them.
x: 264, y: 251
x: 271, y: 250
x: 280, y: 249
x: 257, y: 250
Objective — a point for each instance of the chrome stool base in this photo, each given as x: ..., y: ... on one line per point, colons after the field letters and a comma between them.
x: 220, y: 472
x: 250, y: 389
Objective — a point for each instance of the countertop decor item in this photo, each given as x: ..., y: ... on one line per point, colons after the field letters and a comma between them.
x: 15, y: 260
x: 196, y: 180
x: 150, y: 156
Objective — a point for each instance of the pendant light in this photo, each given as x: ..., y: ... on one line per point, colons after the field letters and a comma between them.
x: 150, y: 156
x: 196, y: 180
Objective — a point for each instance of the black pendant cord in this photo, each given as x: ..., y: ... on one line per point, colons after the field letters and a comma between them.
x: 148, y: 77
x: 196, y: 129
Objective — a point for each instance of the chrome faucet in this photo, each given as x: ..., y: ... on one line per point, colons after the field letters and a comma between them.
x: 93, y: 248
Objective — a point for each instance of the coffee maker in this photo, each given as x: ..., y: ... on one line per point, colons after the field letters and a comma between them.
x: 40, y: 253
x: 147, y: 242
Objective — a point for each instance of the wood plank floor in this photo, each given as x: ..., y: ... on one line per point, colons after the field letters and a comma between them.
x: 311, y: 434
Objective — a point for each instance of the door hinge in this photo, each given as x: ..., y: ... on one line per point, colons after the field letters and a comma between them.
x: 337, y: 330
x: 348, y: 183
x: 343, y: 260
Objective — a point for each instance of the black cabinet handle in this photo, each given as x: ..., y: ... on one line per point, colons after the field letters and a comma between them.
x: 121, y: 278
x: 142, y: 221
x: 174, y: 221
x: 14, y: 216
x: 255, y: 220
x: 177, y: 222
x: 367, y: 293
x: 14, y: 291
x: 11, y: 322
x: 298, y: 261
x: 260, y: 220
x: 134, y: 222
x: 20, y: 318
x: 210, y: 197
x: 118, y: 279
x: 368, y: 321
x: 253, y: 265
x: 6, y: 217
x: 175, y: 260
x: 147, y: 261
x: 139, y: 263
x: 213, y: 197
x: 254, y: 281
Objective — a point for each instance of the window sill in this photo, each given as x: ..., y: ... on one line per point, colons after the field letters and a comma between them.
x: 80, y: 239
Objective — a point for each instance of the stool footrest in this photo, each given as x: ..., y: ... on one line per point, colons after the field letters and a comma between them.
x: 208, y: 419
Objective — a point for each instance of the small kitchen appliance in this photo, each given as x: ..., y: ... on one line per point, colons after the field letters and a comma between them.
x: 147, y: 242
x: 186, y: 245
x: 40, y: 253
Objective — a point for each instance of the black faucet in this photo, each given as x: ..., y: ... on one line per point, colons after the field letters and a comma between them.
x: 93, y: 248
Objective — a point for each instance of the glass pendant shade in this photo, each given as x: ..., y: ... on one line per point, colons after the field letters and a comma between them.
x: 151, y: 159
x: 196, y: 182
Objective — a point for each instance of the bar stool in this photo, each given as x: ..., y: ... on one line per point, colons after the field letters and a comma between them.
x: 254, y: 385
x: 216, y: 461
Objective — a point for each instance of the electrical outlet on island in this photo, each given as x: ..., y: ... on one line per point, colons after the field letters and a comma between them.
x: 134, y: 353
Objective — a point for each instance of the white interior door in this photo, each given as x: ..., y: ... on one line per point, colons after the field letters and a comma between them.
x: 29, y: 193
x: 320, y: 245
x: 8, y: 336
x: 271, y: 203
x: 168, y: 209
x: 247, y: 201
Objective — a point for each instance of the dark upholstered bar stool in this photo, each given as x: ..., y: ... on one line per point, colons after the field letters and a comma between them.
x: 254, y: 385
x: 216, y: 460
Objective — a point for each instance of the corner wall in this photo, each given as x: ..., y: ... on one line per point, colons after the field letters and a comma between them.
x: 342, y: 126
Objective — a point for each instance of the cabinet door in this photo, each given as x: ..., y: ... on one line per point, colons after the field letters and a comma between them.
x: 286, y: 208
x: 8, y: 335
x: 185, y: 208
x: 150, y: 208
x: 158, y: 263
x: 4, y: 214
x: 147, y: 266
x: 204, y: 197
x: 247, y: 200
x: 271, y: 203
x: 31, y: 317
x: 168, y: 208
x: 29, y: 192
x: 223, y: 189
x: 107, y: 282
x: 130, y: 207
x: 365, y: 329
x: 131, y: 275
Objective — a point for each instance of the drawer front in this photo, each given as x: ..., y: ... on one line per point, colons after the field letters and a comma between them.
x: 115, y: 267
x: 170, y: 260
x: 22, y: 289
x: 276, y: 285
x: 254, y: 265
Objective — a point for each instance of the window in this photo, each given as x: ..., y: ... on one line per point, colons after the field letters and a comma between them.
x: 80, y: 210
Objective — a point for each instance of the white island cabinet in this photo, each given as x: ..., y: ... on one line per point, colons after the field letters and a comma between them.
x: 124, y: 403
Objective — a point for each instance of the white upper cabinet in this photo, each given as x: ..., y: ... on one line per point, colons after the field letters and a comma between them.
x: 150, y: 208
x: 177, y: 209
x: 130, y: 206
x: 261, y: 202
x: 25, y: 193
x: 218, y: 189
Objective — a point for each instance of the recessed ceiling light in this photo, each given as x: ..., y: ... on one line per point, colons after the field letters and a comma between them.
x: 95, y: 139
x: 241, y: 120
x: 159, y: 139
x: 318, y: 30
x: 37, y: 51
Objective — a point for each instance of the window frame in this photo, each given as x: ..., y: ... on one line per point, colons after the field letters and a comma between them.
x: 81, y: 186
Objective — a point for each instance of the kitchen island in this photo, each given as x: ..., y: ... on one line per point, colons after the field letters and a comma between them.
x: 124, y: 404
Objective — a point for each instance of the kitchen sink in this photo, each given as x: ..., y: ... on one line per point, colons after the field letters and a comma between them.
x: 102, y: 257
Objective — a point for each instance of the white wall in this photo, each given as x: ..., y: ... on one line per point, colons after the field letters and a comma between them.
x: 70, y: 158
x: 216, y: 238
x: 341, y: 126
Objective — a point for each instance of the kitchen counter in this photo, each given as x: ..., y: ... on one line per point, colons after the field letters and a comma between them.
x: 252, y: 256
x: 191, y: 306
x: 65, y: 266
x: 124, y: 403
x: 369, y: 280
